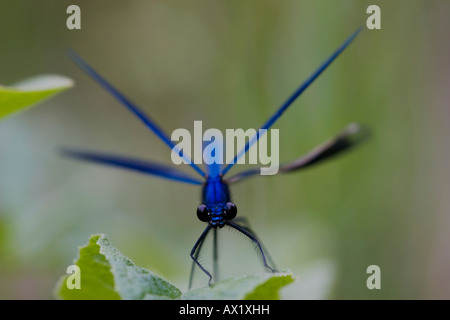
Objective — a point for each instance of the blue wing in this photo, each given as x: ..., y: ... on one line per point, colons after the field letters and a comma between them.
x: 130, y: 106
x: 147, y: 167
x: 291, y: 99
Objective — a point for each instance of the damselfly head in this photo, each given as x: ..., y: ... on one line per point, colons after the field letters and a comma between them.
x: 216, y: 214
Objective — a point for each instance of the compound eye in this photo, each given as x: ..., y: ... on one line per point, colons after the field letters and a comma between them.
x: 203, y: 213
x: 230, y: 211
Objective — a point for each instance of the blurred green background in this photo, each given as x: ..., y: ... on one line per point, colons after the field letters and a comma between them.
x: 231, y: 64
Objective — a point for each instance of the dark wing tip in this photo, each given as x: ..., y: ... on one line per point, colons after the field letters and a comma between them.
x: 355, y: 133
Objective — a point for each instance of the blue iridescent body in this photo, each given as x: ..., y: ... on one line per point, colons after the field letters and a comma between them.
x: 216, y: 208
x: 216, y: 196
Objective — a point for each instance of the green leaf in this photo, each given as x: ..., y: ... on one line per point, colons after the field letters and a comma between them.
x: 28, y: 92
x: 255, y: 287
x: 107, y: 274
